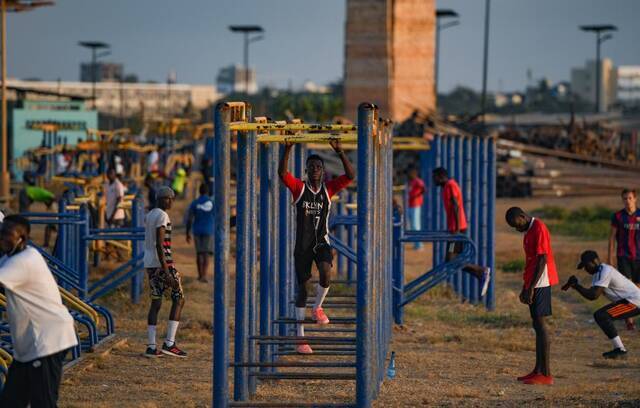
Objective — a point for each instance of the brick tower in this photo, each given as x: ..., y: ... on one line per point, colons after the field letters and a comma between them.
x: 389, y: 56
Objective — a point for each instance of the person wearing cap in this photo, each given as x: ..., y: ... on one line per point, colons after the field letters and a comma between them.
x: 539, y: 275
x: 620, y: 290
x: 164, y: 279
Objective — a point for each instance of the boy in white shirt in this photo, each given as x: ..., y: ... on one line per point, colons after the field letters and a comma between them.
x: 623, y: 293
x: 114, y: 192
x: 41, y: 327
x: 163, y: 275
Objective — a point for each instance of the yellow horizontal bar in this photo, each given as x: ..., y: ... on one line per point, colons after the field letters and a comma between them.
x: 399, y: 188
x: 410, y: 147
x: 351, y: 206
x: 291, y: 127
x: 74, y: 180
x: 307, y: 138
x: 73, y: 207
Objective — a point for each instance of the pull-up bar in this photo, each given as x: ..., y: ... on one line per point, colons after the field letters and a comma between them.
x: 291, y: 127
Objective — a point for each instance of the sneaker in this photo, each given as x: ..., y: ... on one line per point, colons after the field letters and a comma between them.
x: 319, y: 316
x: 304, y: 348
x: 526, y: 377
x: 631, y: 325
x: 486, y: 278
x: 152, y: 352
x: 615, y: 353
x: 173, y: 350
x: 539, y: 379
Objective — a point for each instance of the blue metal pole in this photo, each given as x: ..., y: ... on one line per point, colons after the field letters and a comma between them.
x: 253, y: 255
x: 482, y: 239
x: 136, y: 279
x: 221, y: 256
x: 364, y: 390
x: 436, y: 200
x: 350, y: 238
x: 243, y: 176
x: 491, y: 219
x: 265, y: 251
x: 466, y: 188
x: 457, y: 164
x: 475, y: 210
x: 83, y: 253
x: 284, y: 241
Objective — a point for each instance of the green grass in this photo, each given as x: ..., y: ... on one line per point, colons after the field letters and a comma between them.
x: 514, y: 266
x: 588, y: 223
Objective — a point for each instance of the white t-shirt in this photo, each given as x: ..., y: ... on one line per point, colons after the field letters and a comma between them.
x: 114, y: 191
x: 61, y: 163
x: 616, y: 285
x: 152, y: 161
x: 40, y: 324
x: 152, y: 221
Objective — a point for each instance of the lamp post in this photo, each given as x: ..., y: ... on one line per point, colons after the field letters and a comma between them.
x: 485, y: 64
x: 247, y: 30
x: 442, y: 14
x: 8, y: 6
x: 94, y: 46
x: 599, y: 29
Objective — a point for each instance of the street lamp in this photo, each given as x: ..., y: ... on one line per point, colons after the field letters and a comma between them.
x: 246, y: 30
x: 5, y: 6
x: 599, y: 30
x: 442, y: 14
x: 94, y: 46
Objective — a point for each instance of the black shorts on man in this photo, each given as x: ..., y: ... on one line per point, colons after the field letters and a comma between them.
x: 541, y: 305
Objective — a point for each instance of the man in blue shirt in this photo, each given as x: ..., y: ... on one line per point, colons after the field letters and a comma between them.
x: 200, y: 215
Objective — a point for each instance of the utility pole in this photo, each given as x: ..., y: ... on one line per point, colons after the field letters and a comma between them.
x: 94, y: 46
x: 442, y: 14
x: 483, y: 100
x: 9, y: 6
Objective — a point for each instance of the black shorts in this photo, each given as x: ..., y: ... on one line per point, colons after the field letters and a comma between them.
x: 304, y: 260
x: 455, y: 247
x: 629, y: 268
x: 541, y: 305
x: 36, y: 382
x: 204, y: 244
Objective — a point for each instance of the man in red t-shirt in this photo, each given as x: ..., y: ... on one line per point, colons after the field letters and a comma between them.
x: 539, y: 275
x: 457, y: 224
x: 416, y: 198
x: 312, y: 200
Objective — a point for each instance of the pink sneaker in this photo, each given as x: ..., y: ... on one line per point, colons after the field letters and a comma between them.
x: 304, y: 348
x: 319, y: 316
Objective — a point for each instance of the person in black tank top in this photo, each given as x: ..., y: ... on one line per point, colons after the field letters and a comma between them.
x: 312, y: 200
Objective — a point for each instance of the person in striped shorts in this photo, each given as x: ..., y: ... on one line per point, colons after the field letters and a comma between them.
x: 622, y: 292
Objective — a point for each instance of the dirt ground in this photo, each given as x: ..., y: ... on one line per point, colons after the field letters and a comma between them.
x: 448, y: 353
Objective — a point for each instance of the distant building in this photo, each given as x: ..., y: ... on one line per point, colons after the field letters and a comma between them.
x: 122, y: 99
x: 502, y: 100
x: 105, y: 71
x: 629, y: 85
x: 312, y: 87
x: 583, y: 83
x: 233, y: 79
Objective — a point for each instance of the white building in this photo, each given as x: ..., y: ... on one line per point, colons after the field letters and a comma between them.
x: 583, y: 83
x: 629, y: 85
x: 233, y: 79
x: 125, y: 99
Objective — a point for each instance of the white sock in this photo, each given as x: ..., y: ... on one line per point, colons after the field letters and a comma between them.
x: 172, y: 329
x: 321, y: 293
x: 617, y: 343
x: 300, y: 326
x: 151, y: 337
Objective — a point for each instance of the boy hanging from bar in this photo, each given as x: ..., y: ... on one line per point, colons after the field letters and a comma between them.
x: 457, y: 224
x: 312, y: 199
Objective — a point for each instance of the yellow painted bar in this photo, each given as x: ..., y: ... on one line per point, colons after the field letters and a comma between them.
x: 351, y: 206
x: 399, y: 188
x: 73, y: 180
x: 307, y: 138
x: 291, y: 127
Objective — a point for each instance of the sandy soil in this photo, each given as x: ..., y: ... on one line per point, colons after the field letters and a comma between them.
x: 448, y: 353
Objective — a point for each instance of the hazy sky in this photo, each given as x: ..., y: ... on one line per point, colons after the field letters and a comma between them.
x: 304, y: 39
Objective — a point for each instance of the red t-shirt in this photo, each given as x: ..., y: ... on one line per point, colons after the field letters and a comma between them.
x: 333, y: 186
x: 537, y: 241
x: 451, y: 190
x: 416, y: 192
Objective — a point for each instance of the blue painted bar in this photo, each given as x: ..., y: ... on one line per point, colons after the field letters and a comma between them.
x: 491, y: 216
x: 265, y: 251
x: 466, y: 193
x: 364, y: 391
x: 221, y: 256
x: 253, y: 255
x: 241, y: 343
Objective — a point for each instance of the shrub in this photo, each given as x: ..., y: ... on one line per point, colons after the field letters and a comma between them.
x: 551, y: 213
x: 514, y: 266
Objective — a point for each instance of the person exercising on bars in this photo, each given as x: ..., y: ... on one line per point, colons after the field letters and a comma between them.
x: 312, y: 200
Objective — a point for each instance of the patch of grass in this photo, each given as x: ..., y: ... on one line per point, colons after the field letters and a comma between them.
x: 514, y: 266
x: 588, y: 223
x: 498, y: 320
x: 588, y: 231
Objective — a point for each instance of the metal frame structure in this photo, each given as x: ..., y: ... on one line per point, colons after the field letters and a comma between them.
x: 263, y: 327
